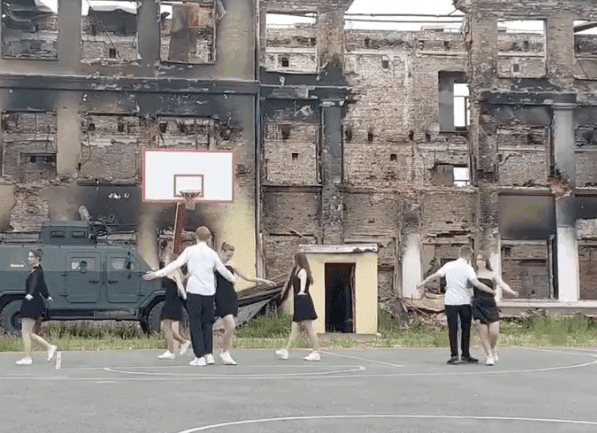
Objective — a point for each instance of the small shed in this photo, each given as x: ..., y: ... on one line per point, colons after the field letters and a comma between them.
x: 344, y: 287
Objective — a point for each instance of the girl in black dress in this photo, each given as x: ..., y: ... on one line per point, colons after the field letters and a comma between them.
x: 304, y: 310
x: 227, y: 300
x: 172, y: 313
x: 485, y: 311
x: 33, y: 307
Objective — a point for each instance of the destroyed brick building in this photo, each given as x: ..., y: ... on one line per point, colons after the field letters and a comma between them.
x: 341, y: 136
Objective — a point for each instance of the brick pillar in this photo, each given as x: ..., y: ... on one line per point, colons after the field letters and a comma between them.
x: 331, y: 172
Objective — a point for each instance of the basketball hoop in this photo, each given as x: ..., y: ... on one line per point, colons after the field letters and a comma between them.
x: 189, y: 197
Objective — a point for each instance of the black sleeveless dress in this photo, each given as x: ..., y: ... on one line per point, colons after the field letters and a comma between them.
x: 303, y: 304
x: 484, y: 307
x: 226, y: 297
x: 36, y: 287
x: 174, y: 304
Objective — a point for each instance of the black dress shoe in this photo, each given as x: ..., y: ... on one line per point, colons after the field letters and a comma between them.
x: 469, y: 360
x: 454, y: 360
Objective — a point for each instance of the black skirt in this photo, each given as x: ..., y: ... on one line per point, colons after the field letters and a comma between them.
x: 303, y: 308
x: 226, y: 297
x: 174, y: 304
x: 485, y: 309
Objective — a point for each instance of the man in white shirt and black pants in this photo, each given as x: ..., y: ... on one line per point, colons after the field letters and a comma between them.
x: 458, y: 301
x: 201, y: 262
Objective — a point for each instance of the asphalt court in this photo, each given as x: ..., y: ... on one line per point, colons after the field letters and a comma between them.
x: 529, y: 389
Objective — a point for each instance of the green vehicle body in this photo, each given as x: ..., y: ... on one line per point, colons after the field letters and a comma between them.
x: 89, y: 278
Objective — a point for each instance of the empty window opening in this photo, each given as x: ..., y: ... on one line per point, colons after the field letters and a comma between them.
x: 295, y: 156
x: 461, y: 106
x: 450, y: 175
x: 30, y: 30
x: 290, y: 41
x: 385, y: 64
x: 348, y: 134
x: 393, y: 157
x: 188, y: 31
x: 453, y: 100
x: 585, y: 38
x: 515, y: 67
x: 108, y: 31
x: 339, y: 297
x: 285, y: 129
x: 521, y: 36
x: 461, y: 176
x: 370, y: 136
x: 29, y: 145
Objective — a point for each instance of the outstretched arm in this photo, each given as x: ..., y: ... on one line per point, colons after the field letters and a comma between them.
x: 479, y: 285
x: 436, y: 274
x: 253, y: 280
x: 179, y: 262
x: 505, y: 287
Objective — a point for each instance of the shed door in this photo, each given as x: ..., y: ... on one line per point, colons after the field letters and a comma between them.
x: 339, y: 297
x: 123, y: 278
x: 83, y: 277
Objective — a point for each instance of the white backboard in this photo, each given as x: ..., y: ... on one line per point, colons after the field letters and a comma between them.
x: 166, y: 172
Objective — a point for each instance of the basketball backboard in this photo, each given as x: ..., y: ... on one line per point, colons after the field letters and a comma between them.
x: 167, y: 172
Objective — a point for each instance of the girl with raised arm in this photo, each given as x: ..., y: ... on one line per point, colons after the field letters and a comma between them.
x: 485, y: 311
x: 227, y: 300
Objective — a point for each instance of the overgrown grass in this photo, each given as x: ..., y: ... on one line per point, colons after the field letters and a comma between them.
x: 272, y: 332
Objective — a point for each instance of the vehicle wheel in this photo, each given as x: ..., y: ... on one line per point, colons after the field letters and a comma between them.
x: 10, y: 317
x: 153, y: 318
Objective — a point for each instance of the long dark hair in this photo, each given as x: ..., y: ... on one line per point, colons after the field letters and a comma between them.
x: 300, y: 262
x: 485, y: 257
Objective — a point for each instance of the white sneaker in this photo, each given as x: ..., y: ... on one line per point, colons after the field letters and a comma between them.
x: 495, y: 356
x: 25, y: 361
x: 227, y: 358
x: 282, y: 353
x: 313, y: 356
x: 490, y: 361
x: 51, y: 352
x: 209, y: 359
x: 167, y: 355
x: 198, y: 362
x: 184, y: 347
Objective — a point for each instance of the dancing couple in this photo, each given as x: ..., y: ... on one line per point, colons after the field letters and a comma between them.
x: 459, y: 274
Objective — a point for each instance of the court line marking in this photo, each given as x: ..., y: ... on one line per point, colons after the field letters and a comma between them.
x: 228, y: 376
x: 486, y: 371
x: 444, y: 417
x: 362, y: 359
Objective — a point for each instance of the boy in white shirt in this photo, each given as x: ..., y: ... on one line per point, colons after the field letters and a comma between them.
x: 458, y: 301
x: 201, y: 262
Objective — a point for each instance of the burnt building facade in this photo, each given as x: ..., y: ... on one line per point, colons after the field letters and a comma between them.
x: 86, y: 86
x: 418, y: 141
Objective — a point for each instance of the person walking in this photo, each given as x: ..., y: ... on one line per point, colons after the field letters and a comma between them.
x: 201, y: 263
x: 304, y: 310
x: 33, y: 307
x: 486, y: 315
x: 227, y: 300
x: 173, y: 311
x: 458, y: 301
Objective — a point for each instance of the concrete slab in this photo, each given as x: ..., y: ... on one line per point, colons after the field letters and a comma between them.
x: 529, y: 389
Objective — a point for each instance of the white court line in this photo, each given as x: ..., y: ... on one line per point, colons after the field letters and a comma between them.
x: 443, y: 417
x: 362, y: 359
x: 237, y: 376
x: 453, y: 372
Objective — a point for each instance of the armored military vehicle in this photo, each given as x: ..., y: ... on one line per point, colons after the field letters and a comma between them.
x: 88, y: 276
